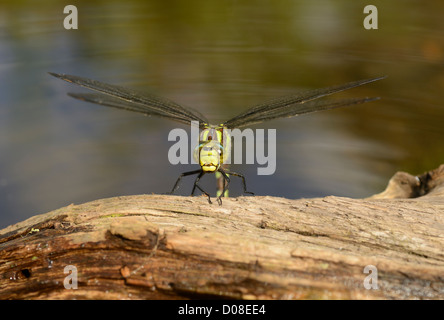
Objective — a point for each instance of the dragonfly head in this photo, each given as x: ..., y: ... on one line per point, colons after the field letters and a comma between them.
x: 209, y: 156
x: 214, y: 141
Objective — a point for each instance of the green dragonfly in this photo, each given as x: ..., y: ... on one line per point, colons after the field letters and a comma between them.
x: 214, y: 142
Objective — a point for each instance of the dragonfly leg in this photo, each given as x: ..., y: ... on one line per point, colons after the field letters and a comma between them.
x: 176, y: 185
x: 199, y: 187
x: 225, y: 184
x: 221, y: 182
x: 244, y: 184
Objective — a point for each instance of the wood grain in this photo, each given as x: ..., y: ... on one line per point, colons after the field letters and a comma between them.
x: 171, y: 247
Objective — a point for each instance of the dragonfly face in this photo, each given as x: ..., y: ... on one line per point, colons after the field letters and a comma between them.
x: 209, y: 155
x: 213, y: 149
x: 215, y: 141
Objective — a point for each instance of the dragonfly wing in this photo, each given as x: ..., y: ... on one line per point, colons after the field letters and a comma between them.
x: 308, y: 107
x: 110, y: 101
x: 291, y: 105
x: 149, y: 104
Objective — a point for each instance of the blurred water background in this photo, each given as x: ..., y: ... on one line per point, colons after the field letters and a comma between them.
x: 219, y: 57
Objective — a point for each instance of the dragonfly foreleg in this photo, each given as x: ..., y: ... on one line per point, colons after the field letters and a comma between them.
x: 176, y: 185
x: 198, y: 187
x: 244, y: 184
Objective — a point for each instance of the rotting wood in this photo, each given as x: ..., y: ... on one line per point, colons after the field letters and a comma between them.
x: 171, y: 247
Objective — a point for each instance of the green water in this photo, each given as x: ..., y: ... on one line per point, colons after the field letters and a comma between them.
x: 219, y: 57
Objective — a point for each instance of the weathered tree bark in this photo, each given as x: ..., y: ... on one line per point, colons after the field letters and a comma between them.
x: 171, y: 247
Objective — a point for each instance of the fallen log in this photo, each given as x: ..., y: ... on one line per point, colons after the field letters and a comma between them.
x: 389, y: 246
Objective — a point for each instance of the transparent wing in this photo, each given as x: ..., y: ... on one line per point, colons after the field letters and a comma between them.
x: 109, y: 101
x: 290, y: 106
x: 127, y: 99
x: 308, y: 107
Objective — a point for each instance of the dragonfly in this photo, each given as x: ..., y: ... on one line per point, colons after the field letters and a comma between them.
x: 214, y: 141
